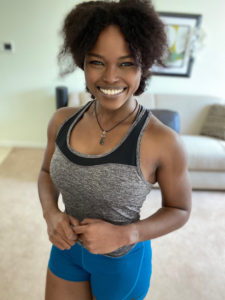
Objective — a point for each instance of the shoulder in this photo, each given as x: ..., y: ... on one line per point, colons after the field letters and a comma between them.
x: 165, y: 142
x: 164, y: 149
x: 58, y: 118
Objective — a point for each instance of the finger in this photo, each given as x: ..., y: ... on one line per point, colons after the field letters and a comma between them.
x: 60, y: 243
x: 73, y: 221
x: 61, y: 246
x: 89, y: 221
x: 69, y: 233
x: 80, y: 229
x: 61, y: 233
x: 67, y: 241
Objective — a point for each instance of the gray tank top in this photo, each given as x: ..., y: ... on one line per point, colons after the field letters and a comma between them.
x: 110, y: 187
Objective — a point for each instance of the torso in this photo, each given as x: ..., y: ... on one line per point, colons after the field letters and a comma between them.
x: 100, y: 181
x: 85, y: 137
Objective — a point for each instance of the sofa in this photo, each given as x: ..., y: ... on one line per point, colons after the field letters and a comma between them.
x: 205, y: 153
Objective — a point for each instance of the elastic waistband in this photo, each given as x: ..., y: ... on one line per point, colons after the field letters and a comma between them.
x: 135, y: 248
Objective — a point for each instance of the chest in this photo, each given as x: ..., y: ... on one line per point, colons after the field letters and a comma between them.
x: 86, y: 137
x: 112, y: 192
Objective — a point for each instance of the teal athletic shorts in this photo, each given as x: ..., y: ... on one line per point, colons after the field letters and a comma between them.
x: 112, y: 278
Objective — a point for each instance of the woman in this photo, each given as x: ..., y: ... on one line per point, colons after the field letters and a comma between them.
x: 104, y: 157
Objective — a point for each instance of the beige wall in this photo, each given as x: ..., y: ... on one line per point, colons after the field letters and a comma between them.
x: 28, y: 77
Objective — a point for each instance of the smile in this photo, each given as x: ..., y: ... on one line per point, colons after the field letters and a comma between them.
x: 112, y: 92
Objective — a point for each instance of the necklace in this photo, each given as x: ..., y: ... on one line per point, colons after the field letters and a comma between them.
x: 104, y: 131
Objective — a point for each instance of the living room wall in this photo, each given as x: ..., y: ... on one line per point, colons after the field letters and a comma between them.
x: 29, y: 75
x: 207, y: 76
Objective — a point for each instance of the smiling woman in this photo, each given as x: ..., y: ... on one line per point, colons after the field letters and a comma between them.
x: 137, y: 21
x: 111, y: 73
x: 104, y: 157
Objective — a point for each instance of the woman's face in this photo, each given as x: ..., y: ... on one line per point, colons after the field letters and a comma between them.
x: 111, y: 73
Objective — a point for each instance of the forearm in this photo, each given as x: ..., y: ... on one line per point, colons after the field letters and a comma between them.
x: 164, y: 221
x: 48, y: 193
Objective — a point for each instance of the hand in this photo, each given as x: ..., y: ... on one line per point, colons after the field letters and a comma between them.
x: 100, y: 237
x: 60, y: 229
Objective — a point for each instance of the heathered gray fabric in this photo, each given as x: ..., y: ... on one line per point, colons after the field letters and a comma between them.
x: 112, y: 192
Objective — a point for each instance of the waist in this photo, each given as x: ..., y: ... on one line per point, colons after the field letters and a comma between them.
x: 122, y: 252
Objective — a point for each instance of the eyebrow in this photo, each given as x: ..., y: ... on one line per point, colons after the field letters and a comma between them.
x: 102, y: 57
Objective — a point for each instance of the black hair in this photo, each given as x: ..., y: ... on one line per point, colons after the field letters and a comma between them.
x: 138, y: 21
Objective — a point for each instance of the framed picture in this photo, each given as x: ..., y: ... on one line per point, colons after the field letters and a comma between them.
x: 182, y: 33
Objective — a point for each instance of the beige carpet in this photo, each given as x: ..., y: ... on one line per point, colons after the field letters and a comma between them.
x: 188, y: 264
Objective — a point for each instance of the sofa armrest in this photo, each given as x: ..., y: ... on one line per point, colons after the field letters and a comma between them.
x: 168, y: 117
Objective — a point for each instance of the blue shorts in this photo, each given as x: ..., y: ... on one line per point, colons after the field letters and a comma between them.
x: 111, y: 278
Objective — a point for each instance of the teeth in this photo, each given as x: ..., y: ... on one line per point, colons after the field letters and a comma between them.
x: 111, y: 92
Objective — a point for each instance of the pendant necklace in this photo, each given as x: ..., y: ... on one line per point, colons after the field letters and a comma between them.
x: 104, y: 131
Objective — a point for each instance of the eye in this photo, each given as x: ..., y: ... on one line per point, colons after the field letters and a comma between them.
x: 127, y: 64
x: 96, y: 62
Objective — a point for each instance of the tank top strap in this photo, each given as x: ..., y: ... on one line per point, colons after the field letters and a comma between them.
x: 63, y: 130
x: 129, y: 151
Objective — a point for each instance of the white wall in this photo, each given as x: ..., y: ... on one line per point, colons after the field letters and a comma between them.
x: 208, y: 75
x: 29, y: 76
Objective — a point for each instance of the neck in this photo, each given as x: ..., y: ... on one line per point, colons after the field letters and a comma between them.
x: 109, y: 117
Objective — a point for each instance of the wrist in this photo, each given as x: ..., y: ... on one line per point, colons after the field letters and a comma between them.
x: 49, y: 212
x: 131, y: 234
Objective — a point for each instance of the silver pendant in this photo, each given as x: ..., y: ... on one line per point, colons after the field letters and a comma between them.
x: 102, y: 137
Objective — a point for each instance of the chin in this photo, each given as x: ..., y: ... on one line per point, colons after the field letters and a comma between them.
x: 112, y: 103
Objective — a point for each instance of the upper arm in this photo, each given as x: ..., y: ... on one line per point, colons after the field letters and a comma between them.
x: 172, y: 173
x: 52, y: 130
x: 53, y: 126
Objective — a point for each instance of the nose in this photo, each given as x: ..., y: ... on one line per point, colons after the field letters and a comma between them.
x: 110, y: 74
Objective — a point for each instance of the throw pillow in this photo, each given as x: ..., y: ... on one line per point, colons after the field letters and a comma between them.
x: 214, y: 124
x: 168, y: 117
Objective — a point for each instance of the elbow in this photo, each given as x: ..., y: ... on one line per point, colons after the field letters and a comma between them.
x: 181, y: 217
x: 185, y: 215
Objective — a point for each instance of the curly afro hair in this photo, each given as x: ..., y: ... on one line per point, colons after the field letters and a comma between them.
x: 138, y: 22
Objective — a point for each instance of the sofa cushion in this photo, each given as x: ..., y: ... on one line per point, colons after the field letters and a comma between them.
x: 207, y: 180
x: 192, y: 109
x: 168, y: 117
x: 204, y: 153
x: 214, y: 124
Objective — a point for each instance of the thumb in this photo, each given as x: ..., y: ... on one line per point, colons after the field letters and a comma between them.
x: 80, y: 229
x: 74, y: 222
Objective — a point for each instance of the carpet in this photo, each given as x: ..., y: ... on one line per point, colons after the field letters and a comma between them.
x: 187, y: 264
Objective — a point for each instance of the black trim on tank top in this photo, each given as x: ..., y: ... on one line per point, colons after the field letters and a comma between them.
x: 124, y: 154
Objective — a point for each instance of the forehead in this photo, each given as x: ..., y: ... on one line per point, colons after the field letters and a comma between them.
x: 111, y: 42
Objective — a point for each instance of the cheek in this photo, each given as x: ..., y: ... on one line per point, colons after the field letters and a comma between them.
x: 86, y: 78
x: 88, y: 74
x: 90, y: 77
x: 136, y: 80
